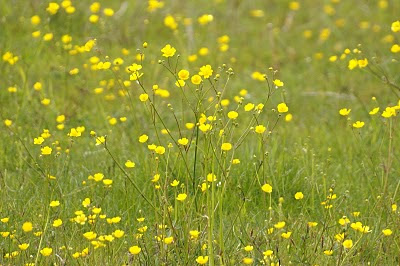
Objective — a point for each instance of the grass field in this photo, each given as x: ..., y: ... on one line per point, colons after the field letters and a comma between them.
x: 220, y: 132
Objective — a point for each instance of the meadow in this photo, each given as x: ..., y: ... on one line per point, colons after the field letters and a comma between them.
x: 220, y: 132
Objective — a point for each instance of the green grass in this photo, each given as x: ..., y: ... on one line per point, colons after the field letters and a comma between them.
x: 341, y: 170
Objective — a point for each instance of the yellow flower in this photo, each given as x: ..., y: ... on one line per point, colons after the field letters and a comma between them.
x: 374, y: 111
x: 282, y: 108
x: 129, y: 164
x: 46, y: 150
x: 66, y: 3
x: 75, y: 133
x: 248, y: 248
x: 203, y: 51
x: 267, y: 188
x: 328, y: 252
x: 96, y: 210
x: 12, y: 89
x: 97, y: 177
x: 348, y: 243
x: 233, y: 115
x: 90, y: 235
x: 174, y: 183
x: 154, y: 5
x: 70, y: 9
x: 112, y: 121
x: 115, y: 220
x: 27, y: 227
x: 93, y: 18
x: 181, y: 197
x: 152, y: 147
x: 202, y: 260
x: 395, y: 48
x: 118, y: 233
x: 170, y: 22
x: 183, y: 141
x: 156, y: 177
x: 48, y: 37
x: 389, y: 112
x: 344, y: 111
x: 74, y: 71
x: 192, y: 58
x: 395, y: 26
x: 7, y: 122
x: 168, y: 240
x: 52, y: 8
x: 108, y: 12
x: 196, y: 79
x: 183, y: 74
x: 226, y: 146
x: 35, y: 20
x: 45, y: 101
x: 268, y: 253
x: 286, y: 235
x: 23, y: 246
x: 333, y: 58
x: 312, y: 224
x: 134, y: 250
x: 225, y: 102
x: 100, y: 140
x: 194, y: 234
x: 294, y: 5
x: 258, y: 76
x: 204, y: 186
x: 4, y: 234
x: 353, y: 63
x: 343, y: 221
x: 86, y: 202
x: 143, y: 97
x: 57, y: 223
x: 205, y: 19
x: 54, y: 203
x: 362, y: 63
x: 206, y: 71
x: 248, y: 107
x: 387, y: 232
x: 339, y: 237
x: 180, y: 83
x: 299, y: 196
x: 107, y: 182
x: 46, y: 134
x: 95, y: 7
x: 168, y: 51
x: 358, y: 124
x: 143, y: 138
x: 260, y: 129
x: 247, y: 260
x: 278, y: 83
x: 211, y: 177
x: 60, y: 118
x: 279, y: 225
x: 160, y: 150
x: 37, y: 86
x: 46, y: 251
